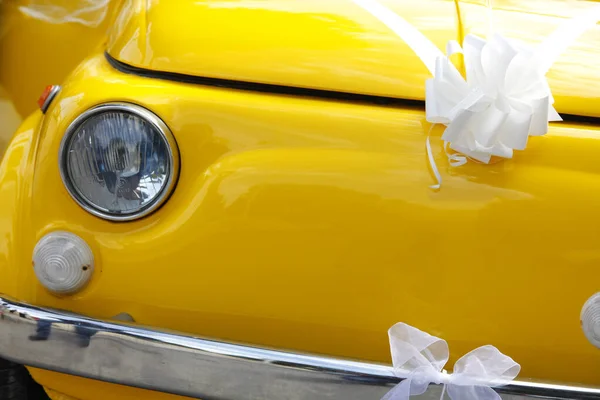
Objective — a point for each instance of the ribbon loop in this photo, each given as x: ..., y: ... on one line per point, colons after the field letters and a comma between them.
x: 414, y: 349
x: 487, y: 363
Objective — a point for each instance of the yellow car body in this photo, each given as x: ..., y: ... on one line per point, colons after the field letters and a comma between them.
x: 302, y: 222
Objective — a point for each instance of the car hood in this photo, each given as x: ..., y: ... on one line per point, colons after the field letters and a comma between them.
x: 336, y: 45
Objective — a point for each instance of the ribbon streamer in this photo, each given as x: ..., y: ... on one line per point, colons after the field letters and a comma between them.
x: 90, y: 13
x: 421, y: 357
x: 505, y: 97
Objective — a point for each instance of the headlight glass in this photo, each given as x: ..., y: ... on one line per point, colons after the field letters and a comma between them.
x: 119, y: 161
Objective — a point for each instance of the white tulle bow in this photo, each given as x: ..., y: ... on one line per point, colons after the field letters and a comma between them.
x: 420, y: 357
x: 505, y: 97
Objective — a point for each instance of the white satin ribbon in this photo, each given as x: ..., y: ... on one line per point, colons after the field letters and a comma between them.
x: 419, y: 357
x: 505, y: 97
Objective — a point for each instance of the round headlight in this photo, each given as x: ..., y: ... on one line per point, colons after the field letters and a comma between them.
x: 119, y: 161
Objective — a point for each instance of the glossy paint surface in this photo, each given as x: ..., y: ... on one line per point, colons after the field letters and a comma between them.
x: 336, y: 45
x: 35, y: 53
x: 331, y: 44
x: 57, y: 384
x: 9, y: 117
x: 307, y: 224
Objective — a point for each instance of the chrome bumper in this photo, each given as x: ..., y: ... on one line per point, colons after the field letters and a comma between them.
x: 185, y: 365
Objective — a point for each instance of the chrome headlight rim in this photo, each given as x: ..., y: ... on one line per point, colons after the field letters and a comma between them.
x: 149, y: 117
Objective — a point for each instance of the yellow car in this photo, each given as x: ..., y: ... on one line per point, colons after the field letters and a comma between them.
x: 230, y: 199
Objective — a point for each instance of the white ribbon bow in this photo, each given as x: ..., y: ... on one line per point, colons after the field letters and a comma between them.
x: 505, y: 97
x: 420, y: 357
